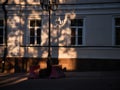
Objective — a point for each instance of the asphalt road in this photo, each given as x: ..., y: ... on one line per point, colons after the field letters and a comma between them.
x: 72, y: 81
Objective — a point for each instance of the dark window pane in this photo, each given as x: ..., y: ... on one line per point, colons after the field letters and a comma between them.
x: 117, y: 21
x: 32, y: 32
x: 73, y: 40
x: 117, y: 41
x: 76, y: 33
x: 35, y: 32
x: 32, y: 23
x: 77, y: 22
x: 1, y: 40
x: 39, y: 32
x: 38, y: 40
x: 32, y: 40
x: 80, y: 32
x: 79, y: 40
x: 38, y: 36
x: 73, y: 30
x: 38, y: 23
x: 1, y: 31
x: 73, y: 22
x: 1, y: 23
x: 117, y: 36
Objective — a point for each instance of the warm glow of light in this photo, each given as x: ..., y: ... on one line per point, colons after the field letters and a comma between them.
x: 2, y: 1
x: 35, y: 14
x: 54, y: 33
x: 67, y: 52
x: 16, y: 18
x: 68, y: 31
x: 22, y: 51
x: 16, y: 1
x: 72, y: 15
x: 14, y: 21
x: 69, y: 64
x: 14, y: 41
x: 13, y: 47
x: 20, y: 37
x: 33, y: 2
x: 42, y: 65
x: 14, y: 51
x: 62, y: 38
x: 22, y: 21
x: 22, y: 2
x: 44, y: 35
x: 44, y: 54
x: 33, y: 52
x: 61, y: 1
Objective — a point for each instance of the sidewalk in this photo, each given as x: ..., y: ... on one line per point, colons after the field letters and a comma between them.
x: 93, y: 74
x: 69, y: 75
x: 73, y: 81
x: 7, y: 79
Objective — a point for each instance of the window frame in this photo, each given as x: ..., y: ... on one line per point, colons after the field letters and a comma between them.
x: 114, y: 31
x: 83, y: 33
x: 35, y: 34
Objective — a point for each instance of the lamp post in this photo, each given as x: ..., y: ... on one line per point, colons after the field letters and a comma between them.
x: 5, y: 49
x: 49, y: 5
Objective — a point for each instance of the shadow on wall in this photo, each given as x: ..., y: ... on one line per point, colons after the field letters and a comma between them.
x: 98, y: 65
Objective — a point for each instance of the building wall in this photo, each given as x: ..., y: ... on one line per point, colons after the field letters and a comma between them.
x: 87, y: 1
x: 100, y: 28
x: 98, y: 34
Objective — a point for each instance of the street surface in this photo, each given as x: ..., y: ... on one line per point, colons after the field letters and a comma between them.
x: 109, y: 80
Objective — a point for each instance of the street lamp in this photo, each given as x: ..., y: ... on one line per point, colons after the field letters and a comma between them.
x: 49, y: 5
x: 4, y: 2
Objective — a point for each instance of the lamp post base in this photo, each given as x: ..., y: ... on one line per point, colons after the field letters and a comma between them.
x: 45, y: 73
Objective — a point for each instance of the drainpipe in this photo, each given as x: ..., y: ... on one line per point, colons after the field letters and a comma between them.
x: 5, y: 47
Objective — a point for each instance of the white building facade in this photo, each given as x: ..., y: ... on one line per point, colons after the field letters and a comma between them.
x: 85, y: 34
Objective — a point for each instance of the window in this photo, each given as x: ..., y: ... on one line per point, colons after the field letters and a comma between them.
x: 117, y: 31
x: 76, y: 31
x: 35, y: 32
x: 1, y: 31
